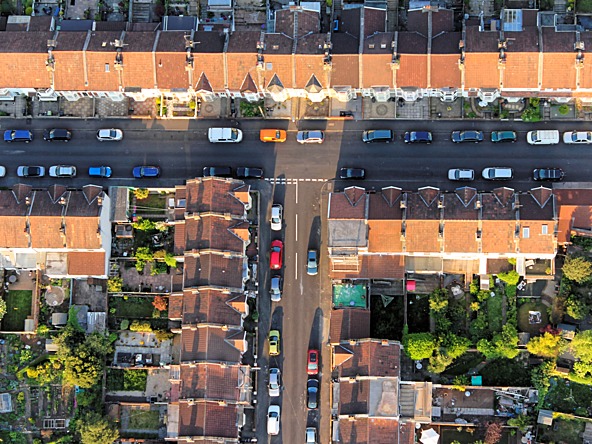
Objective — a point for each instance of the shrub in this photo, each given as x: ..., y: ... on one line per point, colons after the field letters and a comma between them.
x: 511, y: 277
x: 163, y: 335
x: 144, y: 224
x: 29, y: 10
x: 143, y: 326
x: 141, y: 193
x: 419, y: 346
x: 159, y: 303
x: 124, y: 324
x: 577, y: 269
x: 474, y: 287
x: 563, y: 110
x: 114, y: 284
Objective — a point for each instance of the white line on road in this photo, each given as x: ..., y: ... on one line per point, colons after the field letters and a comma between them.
x: 296, y: 265
x: 296, y: 192
x: 296, y: 227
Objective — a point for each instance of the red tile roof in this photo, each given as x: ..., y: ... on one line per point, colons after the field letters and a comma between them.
x: 422, y: 236
x: 350, y: 204
x: 216, y: 232
x: 213, y: 306
x: 354, y: 398
x: 481, y: 70
x: 369, y: 357
x: 413, y: 71
x: 206, y: 418
x: 87, y: 263
x: 213, y: 269
x: 349, y: 323
x: 213, y: 194
x: 209, y: 343
x: 212, y: 381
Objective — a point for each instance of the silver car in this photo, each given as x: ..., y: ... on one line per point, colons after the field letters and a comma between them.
x: 276, y: 288
x: 62, y: 171
x: 275, y: 377
x: 498, y: 173
x: 461, y: 174
x: 311, y: 435
x: 312, y: 262
x: 109, y: 135
x: 276, y: 217
x: 314, y: 136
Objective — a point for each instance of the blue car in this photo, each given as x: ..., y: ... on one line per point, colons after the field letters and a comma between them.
x: 18, y: 136
x: 146, y: 171
x: 99, y: 171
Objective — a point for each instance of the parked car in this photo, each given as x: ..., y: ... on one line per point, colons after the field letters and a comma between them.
x: 577, y: 137
x: 272, y: 135
x: 146, y: 171
x: 543, y: 137
x: 498, y: 173
x: 312, y: 363
x: 18, y: 136
x: 352, y: 173
x: 62, y: 171
x: 312, y: 262
x: 380, y: 135
x: 311, y: 435
x: 225, y: 135
x: 461, y: 174
x: 312, y: 393
x: 275, y: 288
x: 503, y: 136
x: 57, y: 134
x: 217, y: 171
x: 467, y: 136
x: 276, y: 217
x: 310, y: 136
x: 109, y: 135
x: 99, y: 171
x: 273, y: 420
x: 548, y: 174
x: 2, y: 171
x: 275, y: 384
x: 249, y: 173
x: 274, y: 343
x: 276, y: 254
x: 30, y: 171
x: 418, y: 137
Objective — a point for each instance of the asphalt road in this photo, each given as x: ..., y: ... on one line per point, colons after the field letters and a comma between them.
x: 303, y: 175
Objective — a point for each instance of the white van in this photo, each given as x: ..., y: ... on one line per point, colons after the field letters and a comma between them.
x: 225, y: 135
x: 543, y: 137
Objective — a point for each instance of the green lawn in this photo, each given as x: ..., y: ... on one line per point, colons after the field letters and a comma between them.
x: 562, y: 430
x: 127, y: 380
x: 153, y: 204
x: 144, y: 419
x: 494, y: 313
x: 523, y: 324
x: 133, y: 307
x: 18, y: 308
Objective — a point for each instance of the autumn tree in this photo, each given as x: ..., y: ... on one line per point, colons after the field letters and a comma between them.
x: 493, y: 435
x: 159, y: 303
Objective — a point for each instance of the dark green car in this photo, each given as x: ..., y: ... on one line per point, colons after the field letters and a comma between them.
x: 503, y: 136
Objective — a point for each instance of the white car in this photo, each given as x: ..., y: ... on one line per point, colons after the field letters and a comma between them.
x: 274, y: 382
x: 313, y: 136
x: 461, y: 174
x: 498, y: 173
x: 275, y: 288
x: 109, y: 135
x: 579, y: 137
x: 311, y: 435
x: 2, y: 171
x: 276, y: 217
x: 62, y: 171
x: 273, y: 420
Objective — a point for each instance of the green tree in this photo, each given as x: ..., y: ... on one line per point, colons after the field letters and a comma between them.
x: 581, y: 346
x: 547, y: 345
x: 94, y: 429
x: 98, y: 344
x: 455, y: 345
x: 438, y: 300
x: 142, y: 224
x: 522, y: 422
x: 82, y: 368
x: 502, y: 345
x: 576, y: 307
x: 2, y: 308
x: 577, y: 269
x: 511, y: 277
x: 419, y: 346
x: 439, y: 362
x: 170, y: 260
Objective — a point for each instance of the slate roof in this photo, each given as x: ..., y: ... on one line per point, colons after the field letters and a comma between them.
x: 216, y: 232
x: 213, y: 268
x: 207, y: 380
x: 213, y: 306
x: 211, y: 194
x: 350, y: 204
x: 354, y: 398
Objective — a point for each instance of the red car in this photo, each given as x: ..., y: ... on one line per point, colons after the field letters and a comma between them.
x: 312, y: 367
x: 277, y: 251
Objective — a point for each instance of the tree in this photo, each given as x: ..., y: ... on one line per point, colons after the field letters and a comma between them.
x: 141, y: 193
x: 502, y: 345
x: 438, y: 300
x: 455, y: 345
x: 82, y: 368
x: 493, y: 435
x: 511, y: 277
x: 576, y: 308
x: 2, y: 308
x: 439, y: 362
x: 577, y: 269
x: 159, y: 303
x: 144, y: 224
x: 581, y: 346
x: 522, y: 422
x: 547, y: 345
x: 94, y: 429
x: 419, y: 346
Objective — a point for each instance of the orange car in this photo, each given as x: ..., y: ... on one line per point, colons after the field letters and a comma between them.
x: 272, y: 135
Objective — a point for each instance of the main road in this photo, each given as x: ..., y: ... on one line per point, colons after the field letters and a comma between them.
x: 298, y: 176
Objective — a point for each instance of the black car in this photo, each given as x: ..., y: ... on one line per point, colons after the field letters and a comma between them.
x: 372, y: 136
x: 548, y: 174
x: 352, y: 173
x: 418, y: 137
x: 467, y: 136
x: 249, y: 173
x: 312, y: 393
x: 218, y: 171
x: 57, y: 134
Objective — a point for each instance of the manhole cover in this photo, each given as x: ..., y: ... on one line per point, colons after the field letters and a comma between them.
x: 381, y: 110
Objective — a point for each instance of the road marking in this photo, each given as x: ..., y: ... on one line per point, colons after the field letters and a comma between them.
x: 296, y: 265
x: 296, y: 224
x: 296, y: 195
x: 284, y: 181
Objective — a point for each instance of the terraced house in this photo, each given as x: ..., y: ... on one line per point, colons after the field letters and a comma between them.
x: 524, y: 53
